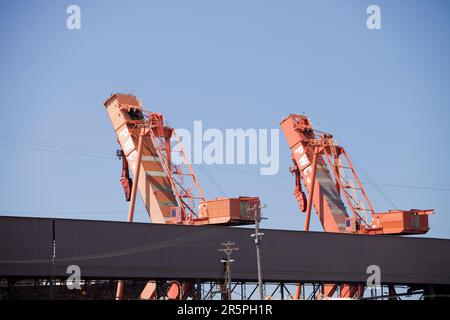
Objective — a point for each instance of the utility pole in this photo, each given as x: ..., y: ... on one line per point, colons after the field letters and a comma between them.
x: 228, y: 248
x: 257, y: 235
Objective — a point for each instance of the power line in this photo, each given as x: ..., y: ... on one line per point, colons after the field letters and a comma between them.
x: 374, y: 184
x: 56, y: 151
x: 369, y: 181
x: 93, y: 152
x: 214, y: 181
x: 209, y: 176
x: 62, y: 212
x: 48, y: 144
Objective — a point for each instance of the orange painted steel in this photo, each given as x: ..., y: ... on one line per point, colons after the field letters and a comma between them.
x: 145, y: 142
x: 317, y: 157
x: 119, y: 291
x: 137, y: 171
x: 311, y: 193
x: 302, y: 142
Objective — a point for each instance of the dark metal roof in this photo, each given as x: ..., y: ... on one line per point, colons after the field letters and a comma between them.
x: 106, y: 249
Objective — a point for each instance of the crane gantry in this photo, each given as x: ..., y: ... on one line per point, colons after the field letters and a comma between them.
x: 330, y: 179
x: 171, y: 195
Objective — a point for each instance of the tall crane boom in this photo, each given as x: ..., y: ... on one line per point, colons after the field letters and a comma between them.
x: 161, y: 183
x: 329, y: 178
x: 325, y: 196
x: 154, y: 184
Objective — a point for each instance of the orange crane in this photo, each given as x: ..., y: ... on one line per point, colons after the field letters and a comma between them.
x: 171, y: 195
x: 329, y: 178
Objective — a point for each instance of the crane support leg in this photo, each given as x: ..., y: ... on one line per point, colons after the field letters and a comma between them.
x: 329, y: 290
x: 351, y: 291
x: 298, y: 291
x: 311, y: 194
x: 119, y: 291
x: 392, y: 293
x: 149, y: 291
x: 134, y: 189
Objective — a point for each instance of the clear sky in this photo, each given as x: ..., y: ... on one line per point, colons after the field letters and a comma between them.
x: 384, y: 94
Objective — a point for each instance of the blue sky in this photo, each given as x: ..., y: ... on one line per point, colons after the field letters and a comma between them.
x: 384, y: 94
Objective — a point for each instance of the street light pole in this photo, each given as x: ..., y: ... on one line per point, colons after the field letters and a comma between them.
x: 258, y: 236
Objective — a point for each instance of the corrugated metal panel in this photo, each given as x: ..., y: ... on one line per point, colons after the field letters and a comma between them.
x: 25, y: 246
x: 137, y: 250
x: 155, y: 251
